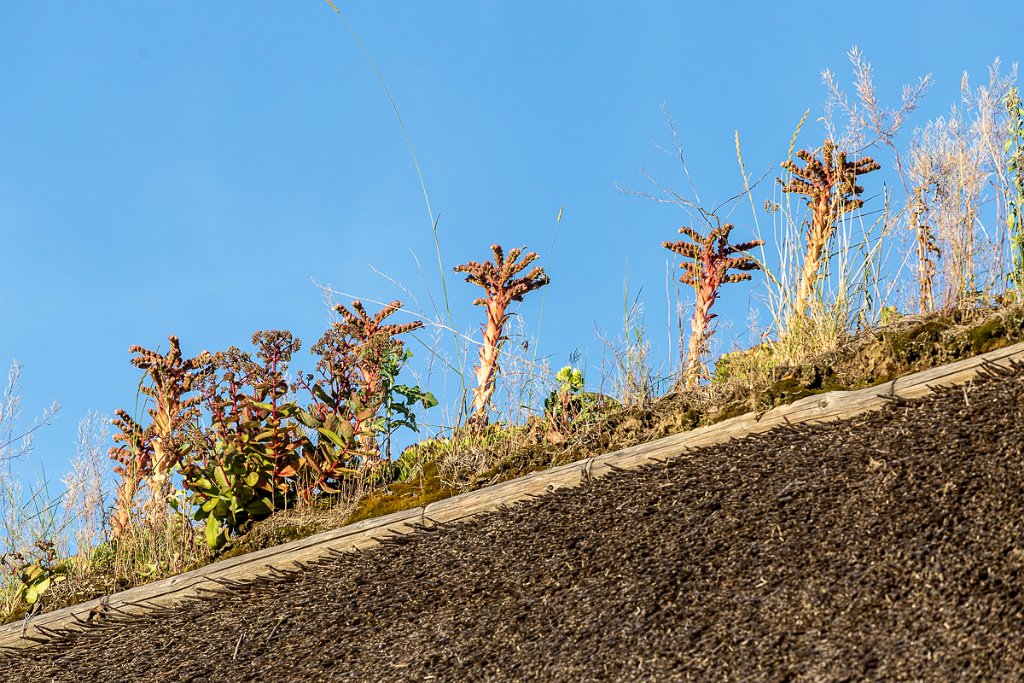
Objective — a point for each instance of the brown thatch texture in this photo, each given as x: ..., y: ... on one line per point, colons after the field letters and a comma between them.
x: 889, y: 547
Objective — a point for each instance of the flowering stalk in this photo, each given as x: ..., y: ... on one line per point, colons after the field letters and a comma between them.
x: 829, y: 183
x: 502, y: 288
x: 149, y: 454
x: 709, y: 260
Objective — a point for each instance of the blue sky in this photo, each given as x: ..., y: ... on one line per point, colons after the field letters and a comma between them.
x: 191, y: 167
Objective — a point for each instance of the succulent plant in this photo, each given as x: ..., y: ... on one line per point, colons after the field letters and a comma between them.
x: 708, y: 260
x: 567, y: 402
x: 501, y: 287
x: 830, y: 185
x: 148, y: 454
x: 251, y: 461
x: 360, y: 357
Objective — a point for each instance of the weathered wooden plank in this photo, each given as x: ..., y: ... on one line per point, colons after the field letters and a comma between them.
x: 364, y: 534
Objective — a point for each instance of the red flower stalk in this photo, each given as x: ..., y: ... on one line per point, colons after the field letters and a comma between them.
x: 501, y: 288
x: 148, y: 454
x: 830, y: 185
x: 709, y: 260
x: 369, y: 344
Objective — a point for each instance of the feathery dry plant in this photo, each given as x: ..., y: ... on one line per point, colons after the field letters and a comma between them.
x: 954, y: 160
x: 86, y: 487
x: 25, y: 517
x: 871, y: 124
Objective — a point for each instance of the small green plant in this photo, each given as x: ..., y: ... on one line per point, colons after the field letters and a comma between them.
x: 709, y: 258
x: 830, y: 185
x: 399, y: 400
x: 566, y: 403
x: 889, y: 315
x: 35, y: 574
x: 501, y: 287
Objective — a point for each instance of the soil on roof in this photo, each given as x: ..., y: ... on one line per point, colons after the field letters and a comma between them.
x: 886, y: 547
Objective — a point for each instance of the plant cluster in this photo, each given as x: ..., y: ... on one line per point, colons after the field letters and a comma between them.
x: 224, y: 439
x: 245, y: 445
x: 35, y: 573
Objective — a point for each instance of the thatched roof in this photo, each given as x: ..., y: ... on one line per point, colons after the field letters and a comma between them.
x: 888, y: 546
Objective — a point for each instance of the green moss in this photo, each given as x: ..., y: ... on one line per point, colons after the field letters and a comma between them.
x: 988, y: 337
x: 743, y: 365
x: 790, y: 389
x: 420, y: 491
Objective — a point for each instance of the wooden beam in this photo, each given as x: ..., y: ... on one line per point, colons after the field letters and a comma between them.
x: 174, y: 590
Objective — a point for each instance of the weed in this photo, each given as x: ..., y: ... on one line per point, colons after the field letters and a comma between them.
x: 830, y: 185
x: 501, y: 287
x: 34, y: 573
x: 1013, y: 147
x: 149, y: 454
x: 635, y: 382
x: 952, y: 162
x: 709, y: 259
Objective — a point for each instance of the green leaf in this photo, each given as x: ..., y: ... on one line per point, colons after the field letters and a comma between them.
x: 34, y: 591
x: 221, y: 477
x: 308, y: 419
x: 333, y: 437
x: 319, y: 392
x: 259, y: 507
x: 348, y: 432
x: 288, y: 410
x: 212, y: 532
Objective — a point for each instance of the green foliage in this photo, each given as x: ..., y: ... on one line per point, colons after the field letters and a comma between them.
x: 35, y: 574
x: 263, y: 451
x: 398, y: 400
x: 569, y: 403
x: 889, y: 315
x: 250, y: 459
x: 235, y: 493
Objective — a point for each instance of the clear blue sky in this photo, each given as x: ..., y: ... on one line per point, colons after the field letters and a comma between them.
x: 187, y: 167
